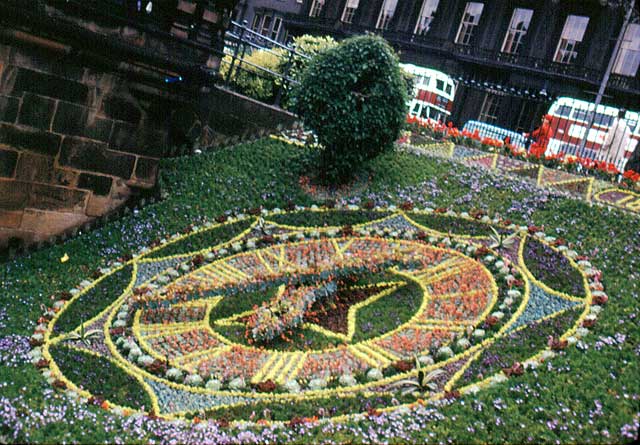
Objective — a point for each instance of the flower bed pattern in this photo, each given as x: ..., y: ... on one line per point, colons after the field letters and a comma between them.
x: 401, y: 289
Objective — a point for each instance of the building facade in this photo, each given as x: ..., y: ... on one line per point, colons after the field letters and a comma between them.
x: 267, y: 16
x: 511, y: 57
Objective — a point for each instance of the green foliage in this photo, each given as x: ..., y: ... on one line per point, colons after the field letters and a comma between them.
x: 94, y: 301
x: 202, y: 240
x: 518, y: 346
x: 262, y: 86
x: 335, y: 218
x: 252, y: 81
x: 354, y: 97
x: 306, y: 45
x: 409, y: 80
x: 100, y: 377
x: 237, y: 179
x: 457, y: 226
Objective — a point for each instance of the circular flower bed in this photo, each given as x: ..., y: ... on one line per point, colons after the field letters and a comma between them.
x: 308, y: 313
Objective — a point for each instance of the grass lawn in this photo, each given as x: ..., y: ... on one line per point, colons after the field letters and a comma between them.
x: 587, y: 394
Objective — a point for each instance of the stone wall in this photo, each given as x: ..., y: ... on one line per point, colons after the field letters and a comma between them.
x: 80, y: 131
x: 73, y: 142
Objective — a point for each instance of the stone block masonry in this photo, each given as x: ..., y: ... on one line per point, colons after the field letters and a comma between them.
x: 74, y: 145
x: 86, y: 114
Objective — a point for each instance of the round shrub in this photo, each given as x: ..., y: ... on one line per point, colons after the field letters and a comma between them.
x: 354, y: 97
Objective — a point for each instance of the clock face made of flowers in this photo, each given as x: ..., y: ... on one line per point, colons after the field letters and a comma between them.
x: 314, y: 304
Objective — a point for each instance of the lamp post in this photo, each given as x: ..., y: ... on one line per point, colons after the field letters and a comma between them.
x: 612, y: 61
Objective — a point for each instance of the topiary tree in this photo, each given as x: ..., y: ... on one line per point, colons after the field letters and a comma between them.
x: 354, y: 97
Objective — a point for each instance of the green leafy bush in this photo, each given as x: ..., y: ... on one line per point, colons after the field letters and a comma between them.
x: 306, y: 45
x: 252, y: 81
x: 353, y: 96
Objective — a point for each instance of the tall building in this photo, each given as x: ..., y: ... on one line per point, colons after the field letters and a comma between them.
x: 511, y: 57
x: 267, y: 16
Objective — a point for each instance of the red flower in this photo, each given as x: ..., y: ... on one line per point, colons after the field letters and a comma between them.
x: 407, y: 206
x: 515, y: 370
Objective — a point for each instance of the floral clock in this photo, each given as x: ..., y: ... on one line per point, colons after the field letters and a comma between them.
x: 325, y: 312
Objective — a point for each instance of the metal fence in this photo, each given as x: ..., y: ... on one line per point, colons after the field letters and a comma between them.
x: 240, y: 43
x: 564, y: 130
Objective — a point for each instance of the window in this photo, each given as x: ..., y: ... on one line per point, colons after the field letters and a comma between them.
x: 489, y: 110
x: 266, y: 23
x: 572, y: 35
x: 470, y: 20
x: 440, y: 85
x: 564, y: 111
x: 628, y: 58
x: 277, y: 24
x: 425, y: 18
x: 350, y: 10
x: 518, y: 27
x: 255, y: 25
x: 316, y: 8
x: 386, y: 14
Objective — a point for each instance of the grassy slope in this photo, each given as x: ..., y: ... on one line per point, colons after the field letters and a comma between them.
x: 266, y: 173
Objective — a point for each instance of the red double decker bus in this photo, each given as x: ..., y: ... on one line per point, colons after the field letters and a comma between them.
x: 569, y: 120
x: 433, y: 93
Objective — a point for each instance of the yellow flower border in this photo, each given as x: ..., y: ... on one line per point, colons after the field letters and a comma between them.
x: 140, y: 375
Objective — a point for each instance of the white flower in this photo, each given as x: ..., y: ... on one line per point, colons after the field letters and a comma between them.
x: 174, y: 374
x: 426, y: 360
x: 463, y: 343
x: 120, y: 323
x: 237, y: 247
x: 547, y: 354
x: 214, y: 385
x: 572, y: 340
x: 582, y: 332
x: 185, y: 267
x: 347, y: 380
x: 444, y: 353
x: 292, y: 386
x: 35, y: 354
x: 145, y: 360
x: 499, y: 315
x: 473, y: 389
x: 478, y: 333
x: 237, y: 383
x: 374, y: 374
x: 508, y: 301
x: 498, y: 378
x: 595, y: 309
x: 514, y: 293
x: 193, y: 380
x: 316, y: 384
x: 134, y: 353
